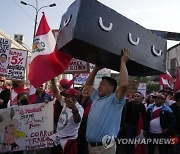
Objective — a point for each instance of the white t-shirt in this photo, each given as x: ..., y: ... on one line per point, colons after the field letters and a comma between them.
x: 155, y: 126
x: 67, y: 128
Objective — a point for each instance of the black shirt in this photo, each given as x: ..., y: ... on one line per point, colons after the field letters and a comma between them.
x: 176, y: 110
x: 5, y: 96
x: 134, y: 111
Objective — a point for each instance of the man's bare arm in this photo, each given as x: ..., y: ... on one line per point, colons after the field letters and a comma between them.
x: 55, y: 90
x: 123, y: 76
x: 90, y: 81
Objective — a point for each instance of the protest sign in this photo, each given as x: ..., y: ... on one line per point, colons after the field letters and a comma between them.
x: 17, y: 64
x: 81, y: 79
x: 142, y: 88
x: 77, y: 66
x: 5, y: 46
x: 26, y: 127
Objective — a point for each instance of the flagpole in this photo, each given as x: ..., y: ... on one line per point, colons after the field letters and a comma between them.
x: 37, y: 11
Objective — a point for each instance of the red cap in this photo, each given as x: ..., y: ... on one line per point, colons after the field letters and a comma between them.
x: 70, y: 91
x: 64, y: 82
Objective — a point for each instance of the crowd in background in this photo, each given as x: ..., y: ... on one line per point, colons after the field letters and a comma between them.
x: 90, y: 112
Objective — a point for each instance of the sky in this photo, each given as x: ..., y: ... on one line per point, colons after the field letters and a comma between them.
x: 16, y: 18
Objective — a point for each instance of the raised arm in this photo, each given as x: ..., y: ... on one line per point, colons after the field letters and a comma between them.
x: 55, y: 90
x: 90, y: 81
x: 123, y: 76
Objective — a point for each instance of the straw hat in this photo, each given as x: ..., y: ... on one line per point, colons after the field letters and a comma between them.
x: 5, y: 121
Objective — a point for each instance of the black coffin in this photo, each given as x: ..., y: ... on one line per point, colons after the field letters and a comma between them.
x: 92, y: 32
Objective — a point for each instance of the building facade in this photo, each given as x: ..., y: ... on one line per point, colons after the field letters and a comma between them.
x: 173, y: 59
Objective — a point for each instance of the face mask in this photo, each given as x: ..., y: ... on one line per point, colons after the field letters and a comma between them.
x: 24, y: 101
x: 15, y: 84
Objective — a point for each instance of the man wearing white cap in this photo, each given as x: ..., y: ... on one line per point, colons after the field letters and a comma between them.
x: 160, y: 124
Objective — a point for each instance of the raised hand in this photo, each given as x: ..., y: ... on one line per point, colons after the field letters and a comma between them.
x: 126, y: 55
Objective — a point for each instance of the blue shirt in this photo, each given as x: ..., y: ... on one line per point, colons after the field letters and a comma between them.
x: 44, y: 97
x: 104, y: 117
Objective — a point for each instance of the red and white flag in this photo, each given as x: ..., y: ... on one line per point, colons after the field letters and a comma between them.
x: 46, y: 61
x: 164, y: 79
x: 177, y: 83
x: 164, y: 82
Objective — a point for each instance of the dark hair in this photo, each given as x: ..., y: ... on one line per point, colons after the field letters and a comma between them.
x: 170, y: 93
x: 162, y: 91
x: 4, y: 55
x: 20, y: 95
x: 177, y: 96
x: 111, y: 81
x: 137, y: 92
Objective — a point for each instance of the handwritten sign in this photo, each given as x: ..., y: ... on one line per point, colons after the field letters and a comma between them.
x: 78, y: 66
x: 81, y: 78
x: 142, y: 88
x: 26, y: 127
x: 17, y: 64
x: 5, y: 46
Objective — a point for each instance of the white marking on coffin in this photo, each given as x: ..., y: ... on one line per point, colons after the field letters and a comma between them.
x: 156, y: 53
x: 132, y: 41
x: 104, y: 27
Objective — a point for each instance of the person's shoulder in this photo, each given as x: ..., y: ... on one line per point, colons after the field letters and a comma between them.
x: 166, y: 108
x: 150, y: 107
x: 47, y: 94
x: 173, y: 105
x: 129, y: 103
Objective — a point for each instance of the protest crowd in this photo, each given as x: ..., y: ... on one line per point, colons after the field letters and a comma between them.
x: 92, y: 114
x: 47, y: 115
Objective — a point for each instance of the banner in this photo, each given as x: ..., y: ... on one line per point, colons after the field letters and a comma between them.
x: 142, y: 88
x: 26, y: 127
x: 81, y: 78
x: 5, y: 46
x: 77, y: 66
x: 17, y: 64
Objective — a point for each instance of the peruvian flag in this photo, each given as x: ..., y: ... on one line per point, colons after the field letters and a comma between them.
x: 140, y: 148
x: 177, y: 84
x: 164, y: 82
x: 164, y: 78
x: 46, y: 61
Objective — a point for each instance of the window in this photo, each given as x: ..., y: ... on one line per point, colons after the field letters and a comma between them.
x: 173, y: 66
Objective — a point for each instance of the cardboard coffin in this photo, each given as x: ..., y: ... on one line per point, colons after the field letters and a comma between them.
x: 95, y: 33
